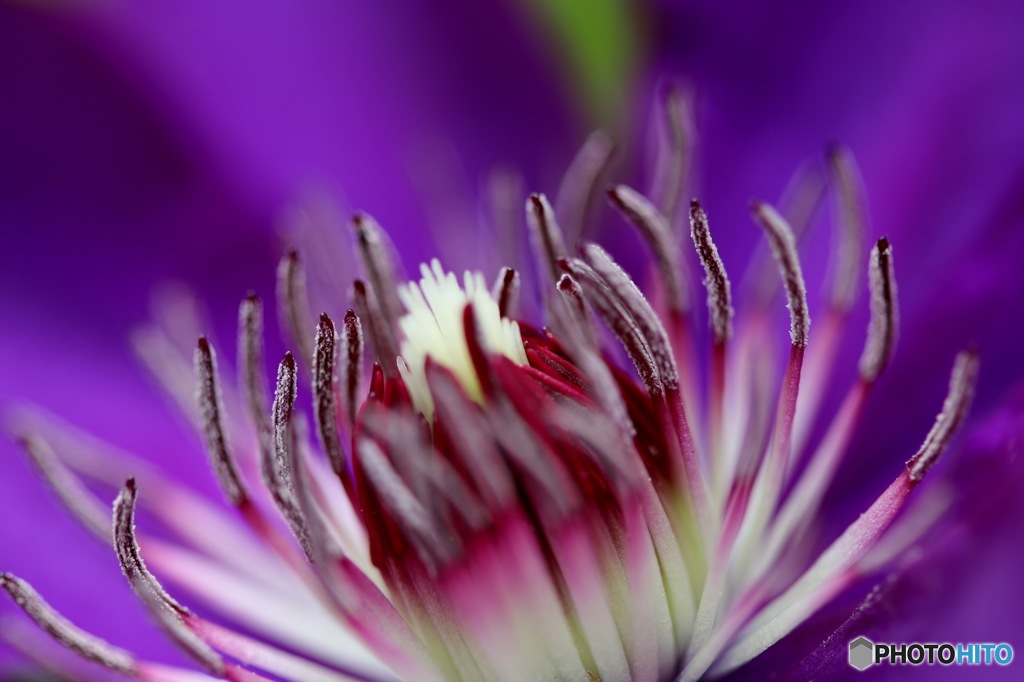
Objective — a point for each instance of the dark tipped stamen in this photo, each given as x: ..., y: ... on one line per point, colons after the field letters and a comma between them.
x: 800, y: 201
x: 366, y: 306
x: 618, y: 320
x: 883, y: 329
x: 352, y: 366
x: 276, y: 465
x: 75, y: 496
x: 656, y: 341
x: 547, y: 240
x: 211, y: 410
x: 323, y: 395
x: 851, y: 224
x: 375, y: 253
x: 657, y: 232
x: 962, y: 381
x: 571, y: 294
x: 716, y: 281
x: 293, y: 303
x: 506, y: 292
x: 636, y: 306
x: 127, y: 548
x: 676, y: 151
x: 582, y: 182
x: 783, y: 245
x: 63, y: 631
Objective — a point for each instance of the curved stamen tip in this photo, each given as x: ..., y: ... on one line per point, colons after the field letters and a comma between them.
x: 127, y: 548
x: 548, y: 242
x: 656, y: 230
x: 962, y: 381
x: 168, y: 613
x: 783, y: 246
x: 883, y: 329
x: 716, y: 280
x: 211, y: 410
x: 851, y: 221
x: 323, y: 393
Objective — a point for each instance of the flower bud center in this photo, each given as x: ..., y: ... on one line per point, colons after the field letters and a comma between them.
x: 433, y: 327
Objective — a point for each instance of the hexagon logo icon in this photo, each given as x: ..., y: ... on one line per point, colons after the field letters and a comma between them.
x: 862, y: 653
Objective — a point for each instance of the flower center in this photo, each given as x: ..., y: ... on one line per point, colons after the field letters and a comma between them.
x: 433, y: 327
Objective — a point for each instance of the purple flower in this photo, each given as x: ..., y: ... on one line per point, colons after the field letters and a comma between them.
x: 504, y: 500
x: 501, y: 464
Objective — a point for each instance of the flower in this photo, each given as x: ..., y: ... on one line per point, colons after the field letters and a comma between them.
x: 507, y: 501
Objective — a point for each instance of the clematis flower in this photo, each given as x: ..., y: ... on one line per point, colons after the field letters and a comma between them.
x: 498, y: 497
x: 916, y: 194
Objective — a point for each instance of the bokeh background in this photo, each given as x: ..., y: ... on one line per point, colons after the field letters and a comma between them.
x: 148, y: 141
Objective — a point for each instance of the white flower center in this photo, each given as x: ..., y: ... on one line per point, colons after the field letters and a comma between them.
x: 433, y: 327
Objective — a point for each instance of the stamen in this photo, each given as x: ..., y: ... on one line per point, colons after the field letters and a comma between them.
x: 954, y: 411
x: 580, y: 184
x: 636, y: 306
x: 783, y: 244
x: 323, y: 396
x: 275, y: 464
x: 657, y: 232
x: 250, y: 358
x: 676, y: 151
x: 211, y: 410
x: 506, y: 292
x: 851, y: 219
x: 842, y: 561
x: 75, y: 496
x: 148, y: 589
x: 716, y: 281
x: 365, y: 304
x: 169, y: 368
x: 574, y: 304
x: 884, y: 326
x: 380, y: 267
x: 799, y: 203
x: 548, y: 243
x: 352, y: 368
x: 256, y: 653
x: 430, y: 543
x: 293, y: 303
x: 654, y: 338
x: 619, y: 322
x: 470, y: 437
x: 127, y: 548
x: 63, y: 631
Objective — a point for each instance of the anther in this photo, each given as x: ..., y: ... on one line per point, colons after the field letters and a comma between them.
x: 883, y: 329
x: 962, y: 381
x: 548, y: 243
x: 657, y: 232
x: 293, y: 302
x: 783, y: 245
x: 211, y: 411
x: 716, y: 281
